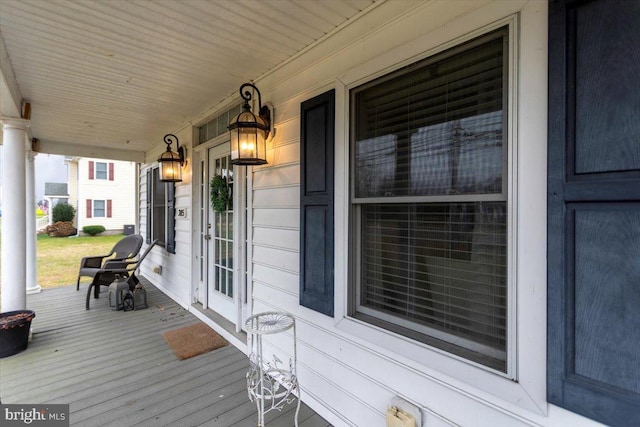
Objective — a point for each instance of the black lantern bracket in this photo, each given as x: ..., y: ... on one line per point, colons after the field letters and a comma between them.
x: 170, y: 139
x: 264, y: 111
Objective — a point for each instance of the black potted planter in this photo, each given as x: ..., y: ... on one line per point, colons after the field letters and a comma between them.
x: 14, y: 331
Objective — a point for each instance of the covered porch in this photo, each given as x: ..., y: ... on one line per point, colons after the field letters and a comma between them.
x: 114, y: 368
x: 107, y: 81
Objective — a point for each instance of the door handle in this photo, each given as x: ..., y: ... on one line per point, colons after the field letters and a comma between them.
x: 207, y: 236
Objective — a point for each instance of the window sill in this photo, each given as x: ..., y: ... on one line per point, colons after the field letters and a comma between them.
x: 472, y: 380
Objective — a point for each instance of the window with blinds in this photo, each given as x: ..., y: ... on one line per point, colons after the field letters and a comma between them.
x: 429, y: 200
x: 159, y: 207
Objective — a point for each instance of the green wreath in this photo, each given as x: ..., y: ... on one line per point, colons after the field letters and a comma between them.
x: 219, y: 193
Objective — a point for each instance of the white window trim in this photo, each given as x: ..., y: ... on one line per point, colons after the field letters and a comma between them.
x: 524, y: 388
x: 511, y: 56
x: 95, y: 172
x: 503, y: 196
x: 93, y: 208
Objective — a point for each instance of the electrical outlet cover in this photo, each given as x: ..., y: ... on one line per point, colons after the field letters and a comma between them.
x: 409, y: 408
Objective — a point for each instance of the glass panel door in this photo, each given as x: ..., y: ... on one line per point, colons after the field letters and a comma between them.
x: 220, y: 283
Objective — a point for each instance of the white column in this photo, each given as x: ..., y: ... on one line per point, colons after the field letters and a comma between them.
x: 30, y: 214
x: 14, y: 248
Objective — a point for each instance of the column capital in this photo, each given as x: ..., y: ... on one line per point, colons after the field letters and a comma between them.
x: 15, y: 123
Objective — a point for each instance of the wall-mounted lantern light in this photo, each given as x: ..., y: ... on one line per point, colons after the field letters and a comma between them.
x: 171, y: 162
x: 249, y: 132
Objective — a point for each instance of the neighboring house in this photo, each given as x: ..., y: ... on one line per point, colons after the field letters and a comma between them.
x: 103, y: 193
x: 56, y: 192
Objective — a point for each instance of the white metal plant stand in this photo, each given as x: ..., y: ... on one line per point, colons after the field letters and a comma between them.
x: 270, y: 384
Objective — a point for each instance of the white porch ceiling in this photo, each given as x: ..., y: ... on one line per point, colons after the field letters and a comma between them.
x: 122, y: 73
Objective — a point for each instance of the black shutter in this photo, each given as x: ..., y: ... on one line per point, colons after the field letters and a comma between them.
x: 594, y: 210
x: 171, y: 217
x: 149, y: 203
x: 316, y: 202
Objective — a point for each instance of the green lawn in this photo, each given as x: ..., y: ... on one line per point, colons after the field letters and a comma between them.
x: 58, y: 258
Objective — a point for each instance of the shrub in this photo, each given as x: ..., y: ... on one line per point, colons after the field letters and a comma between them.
x: 92, y: 230
x: 63, y: 212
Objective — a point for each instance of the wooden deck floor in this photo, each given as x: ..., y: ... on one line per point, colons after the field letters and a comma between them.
x: 115, y: 369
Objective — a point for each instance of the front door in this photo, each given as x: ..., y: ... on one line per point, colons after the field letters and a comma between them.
x: 219, y: 255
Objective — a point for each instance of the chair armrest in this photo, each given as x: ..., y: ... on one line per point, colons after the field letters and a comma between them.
x: 115, y: 265
x: 120, y: 259
x: 92, y: 261
x: 113, y: 271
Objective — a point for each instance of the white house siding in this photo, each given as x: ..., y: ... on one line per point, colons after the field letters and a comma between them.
x: 349, y: 371
x: 175, y: 277
x: 121, y: 191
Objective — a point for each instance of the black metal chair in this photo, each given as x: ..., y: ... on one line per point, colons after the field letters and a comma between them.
x: 117, y: 269
x: 126, y: 248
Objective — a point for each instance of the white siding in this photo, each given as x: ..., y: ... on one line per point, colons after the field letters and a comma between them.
x: 121, y: 191
x: 349, y: 371
x: 175, y: 278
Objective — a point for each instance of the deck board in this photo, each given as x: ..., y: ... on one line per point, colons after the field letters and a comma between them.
x: 115, y: 369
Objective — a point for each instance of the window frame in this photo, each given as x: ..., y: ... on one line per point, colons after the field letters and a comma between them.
x: 434, y: 58
x: 97, y: 172
x: 168, y: 226
x: 399, y: 325
x: 527, y: 155
x: 104, y: 209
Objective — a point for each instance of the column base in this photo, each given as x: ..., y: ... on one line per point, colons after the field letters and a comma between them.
x: 34, y: 290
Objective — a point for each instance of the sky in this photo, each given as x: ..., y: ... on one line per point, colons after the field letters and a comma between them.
x: 48, y: 168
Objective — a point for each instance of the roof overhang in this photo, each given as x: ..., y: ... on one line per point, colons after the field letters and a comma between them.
x: 110, y: 79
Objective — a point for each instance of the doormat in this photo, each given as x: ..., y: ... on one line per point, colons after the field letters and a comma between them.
x: 193, y: 340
